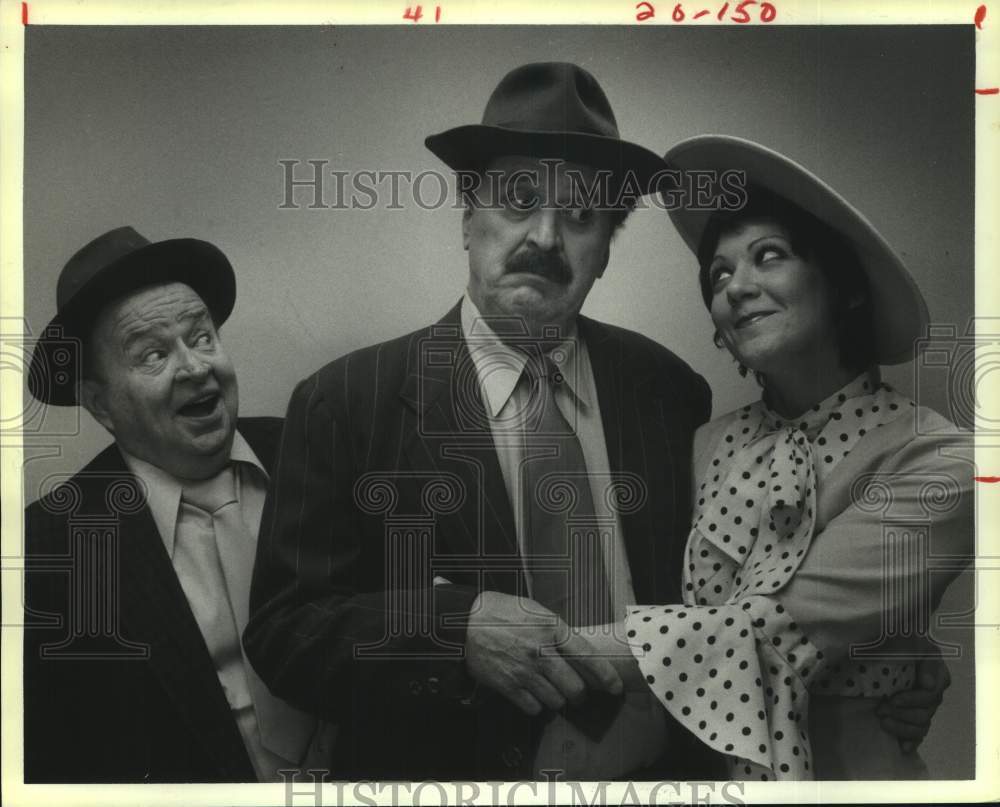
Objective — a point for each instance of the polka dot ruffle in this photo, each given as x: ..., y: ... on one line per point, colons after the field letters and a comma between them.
x: 736, y: 676
x: 731, y: 664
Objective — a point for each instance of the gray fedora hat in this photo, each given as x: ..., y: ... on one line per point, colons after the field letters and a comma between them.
x: 548, y: 109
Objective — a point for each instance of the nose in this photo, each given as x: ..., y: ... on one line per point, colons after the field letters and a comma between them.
x: 743, y: 283
x: 191, y: 364
x: 545, y: 232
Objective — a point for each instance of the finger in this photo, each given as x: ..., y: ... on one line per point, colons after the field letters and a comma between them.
x: 524, y: 701
x: 933, y: 673
x: 597, y: 669
x: 916, y: 717
x: 564, y: 678
x: 544, y: 692
x: 903, y: 731
x: 915, y: 699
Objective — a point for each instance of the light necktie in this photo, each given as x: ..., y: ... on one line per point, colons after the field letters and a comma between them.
x: 227, y: 555
x: 561, y: 531
x: 560, y: 527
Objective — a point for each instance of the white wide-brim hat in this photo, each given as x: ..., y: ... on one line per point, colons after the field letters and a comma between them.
x: 898, y: 308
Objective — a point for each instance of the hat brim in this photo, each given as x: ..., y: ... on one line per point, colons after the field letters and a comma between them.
x: 471, y: 147
x: 899, y: 310
x: 56, y: 360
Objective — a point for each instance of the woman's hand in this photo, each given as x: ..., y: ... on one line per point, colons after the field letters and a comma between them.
x: 907, y: 715
x: 611, y: 643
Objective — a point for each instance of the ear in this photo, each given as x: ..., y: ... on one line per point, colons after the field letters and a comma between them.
x: 92, y: 395
x: 466, y: 224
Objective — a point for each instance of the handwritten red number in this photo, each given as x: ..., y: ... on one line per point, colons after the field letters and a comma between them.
x: 722, y: 12
x: 411, y: 14
x: 678, y: 15
x: 644, y: 13
x: 741, y: 10
x: 767, y: 12
x: 980, y: 16
x: 437, y: 13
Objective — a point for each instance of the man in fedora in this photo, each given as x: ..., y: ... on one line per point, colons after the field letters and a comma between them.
x: 139, y: 566
x: 451, y: 509
x: 441, y: 444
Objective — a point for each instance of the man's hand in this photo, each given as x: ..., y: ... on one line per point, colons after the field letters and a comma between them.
x: 907, y: 715
x: 526, y: 653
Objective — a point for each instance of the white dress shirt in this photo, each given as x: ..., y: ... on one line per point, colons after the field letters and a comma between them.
x: 638, y: 735
x: 271, y: 748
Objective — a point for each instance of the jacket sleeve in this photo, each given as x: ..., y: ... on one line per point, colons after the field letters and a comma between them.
x: 321, y: 598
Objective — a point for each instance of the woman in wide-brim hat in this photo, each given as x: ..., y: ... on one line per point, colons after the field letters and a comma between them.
x: 789, y: 563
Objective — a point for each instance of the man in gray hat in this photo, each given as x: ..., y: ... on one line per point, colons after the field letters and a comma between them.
x: 133, y: 668
x: 453, y: 508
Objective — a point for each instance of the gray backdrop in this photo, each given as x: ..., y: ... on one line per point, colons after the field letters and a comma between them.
x: 179, y: 132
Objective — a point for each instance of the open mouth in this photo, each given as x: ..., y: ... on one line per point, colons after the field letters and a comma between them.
x: 751, y: 319
x: 200, y: 407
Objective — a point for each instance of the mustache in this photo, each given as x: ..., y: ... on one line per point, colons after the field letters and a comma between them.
x: 549, y: 265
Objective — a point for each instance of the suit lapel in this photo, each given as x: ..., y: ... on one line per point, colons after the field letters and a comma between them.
x: 635, y: 432
x: 447, y: 432
x: 155, y: 612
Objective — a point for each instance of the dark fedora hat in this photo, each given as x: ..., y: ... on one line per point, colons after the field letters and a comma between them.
x: 548, y: 109
x: 114, y: 264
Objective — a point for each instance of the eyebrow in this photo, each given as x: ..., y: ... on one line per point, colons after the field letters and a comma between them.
x: 758, y: 240
x: 145, y: 331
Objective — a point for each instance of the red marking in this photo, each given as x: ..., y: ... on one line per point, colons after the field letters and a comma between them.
x: 767, y: 12
x: 24, y: 13
x: 410, y: 14
x: 990, y: 479
x: 437, y: 13
x: 722, y: 12
x: 678, y: 13
x: 989, y: 91
x: 742, y: 11
x: 644, y: 13
x: 980, y: 16
x: 701, y: 13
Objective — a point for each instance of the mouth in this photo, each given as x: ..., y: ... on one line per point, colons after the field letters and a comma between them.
x: 751, y: 319
x: 544, y: 266
x: 203, y: 406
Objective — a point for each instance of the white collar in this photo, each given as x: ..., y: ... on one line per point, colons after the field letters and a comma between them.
x: 499, y: 366
x: 163, y: 489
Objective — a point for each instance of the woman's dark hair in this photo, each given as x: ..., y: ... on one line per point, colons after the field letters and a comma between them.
x: 815, y: 241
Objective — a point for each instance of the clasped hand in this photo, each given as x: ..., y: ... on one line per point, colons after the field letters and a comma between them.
x: 527, y: 654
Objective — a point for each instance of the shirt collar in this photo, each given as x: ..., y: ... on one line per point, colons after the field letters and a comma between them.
x: 163, y: 489
x: 499, y: 366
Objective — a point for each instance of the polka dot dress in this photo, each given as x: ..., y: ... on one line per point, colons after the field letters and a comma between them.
x: 731, y: 664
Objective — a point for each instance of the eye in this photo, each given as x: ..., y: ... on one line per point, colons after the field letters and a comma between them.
x: 718, y: 275
x: 581, y: 215
x: 153, y: 357
x: 769, y: 253
x: 204, y: 339
x: 522, y: 198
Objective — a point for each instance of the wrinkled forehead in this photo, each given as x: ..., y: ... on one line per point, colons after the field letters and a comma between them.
x: 753, y: 225
x: 547, y: 174
x: 156, y: 306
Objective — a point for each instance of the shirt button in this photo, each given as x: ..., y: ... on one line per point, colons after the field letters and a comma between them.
x: 433, y: 685
x: 416, y: 687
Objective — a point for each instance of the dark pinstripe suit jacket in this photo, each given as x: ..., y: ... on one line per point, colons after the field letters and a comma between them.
x: 143, y: 704
x: 386, y: 459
